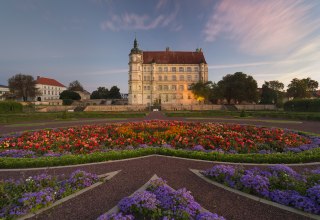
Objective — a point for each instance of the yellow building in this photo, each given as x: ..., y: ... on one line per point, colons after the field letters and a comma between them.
x: 164, y: 77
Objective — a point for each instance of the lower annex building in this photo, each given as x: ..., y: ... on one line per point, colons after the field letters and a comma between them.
x: 164, y: 77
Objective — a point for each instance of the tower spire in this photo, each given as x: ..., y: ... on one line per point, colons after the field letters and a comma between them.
x: 135, y: 48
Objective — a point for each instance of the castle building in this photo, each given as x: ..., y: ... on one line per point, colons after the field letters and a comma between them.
x: 164, y: 77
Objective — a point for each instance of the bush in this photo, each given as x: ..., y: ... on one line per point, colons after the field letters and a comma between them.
x: 10, y: 107
x: 303, y: 105
x: 67, y: 94
x: 67, y: 101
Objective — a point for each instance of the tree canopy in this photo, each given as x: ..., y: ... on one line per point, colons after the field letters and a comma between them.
x: 202, y: 91
x: 302, y: 88
x: 104, y: 93
x: 238, y: 87
x: 68, y: 94
x: 272, y: 92
x: 23, y: 86
x: 76, y: 86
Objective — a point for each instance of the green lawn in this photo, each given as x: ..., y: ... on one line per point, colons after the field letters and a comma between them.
x: 64, y: 116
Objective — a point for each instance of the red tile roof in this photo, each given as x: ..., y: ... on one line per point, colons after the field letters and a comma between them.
x: 48, y: 81
x: 173, y: 57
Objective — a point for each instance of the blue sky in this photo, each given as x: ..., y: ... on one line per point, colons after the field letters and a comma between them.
x: 89, y: 40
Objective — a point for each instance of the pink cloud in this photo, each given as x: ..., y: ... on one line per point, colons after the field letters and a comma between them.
x: 132, y: 21
x: 261, y: 27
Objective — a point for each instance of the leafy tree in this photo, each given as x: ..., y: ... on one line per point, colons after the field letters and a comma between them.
x: 302, y: 88
x: 114, y: 93
x: 100, y: 93
x: 23, y: 86
x: 272, y: 92
x: 68, y: 94
x: 202, y: 90
x: 75, y: 86
x: 238, y: 87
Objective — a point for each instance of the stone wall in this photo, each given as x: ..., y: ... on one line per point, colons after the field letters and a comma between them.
x: 256, y: 107
x: 115, y: 108
x: 177, y: 107
x: 55, y: 108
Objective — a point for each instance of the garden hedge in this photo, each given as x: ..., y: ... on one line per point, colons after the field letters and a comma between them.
x: 275, y: 158
x: 10, y: 107
x: 303, y: 105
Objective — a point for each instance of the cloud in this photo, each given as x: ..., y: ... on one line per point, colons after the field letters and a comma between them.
x: 133, y: 21
x: 161, y: 4
x: 261, y: 27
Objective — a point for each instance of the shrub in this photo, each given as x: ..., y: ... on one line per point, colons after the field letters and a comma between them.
x: 67, y: 101
x: 303, y: 105
x: 10, y: 107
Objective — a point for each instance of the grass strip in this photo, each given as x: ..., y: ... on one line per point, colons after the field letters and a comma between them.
x: 275, y: 158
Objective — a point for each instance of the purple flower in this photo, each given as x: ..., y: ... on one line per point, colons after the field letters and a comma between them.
x: 283, y: 197
x: 304, y: 203
x: 115, y: 216
x: 139, y: 201
x: 218, y: 170
x: 209, y: 216
x: 256, y: 183
x: 314, y: 193
x: 15, y: 153
x: 198, y: 148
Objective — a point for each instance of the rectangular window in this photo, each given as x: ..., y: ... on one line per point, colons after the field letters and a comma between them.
x: 181, y: 87
x: 160, y: 69
x: 165, y: 78
x: 181, y: 77
x: 189, y: 69
x: 148, y: 97
x: 144, y: 78
x: 181, y: 69
x: 160, y: 78
x: 165, y: 87
x: 165, y: 69
x: 189, y: 78
x: 174, y: 77
x: 148, y: 87
x: 160, y: 87
x: 145, y: 87
x: 196, y: 78
x: 189, y: 87
x: 196, y: 69
x: 174, y: 87
x: 174, y: 69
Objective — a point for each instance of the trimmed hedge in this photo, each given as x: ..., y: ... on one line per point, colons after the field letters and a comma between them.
x: 303, y: 105
x: 10, y: 107
x: 303, y: 157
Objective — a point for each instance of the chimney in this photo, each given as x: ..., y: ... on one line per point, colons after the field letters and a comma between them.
x: 167, y: 49
x: 38, y: 77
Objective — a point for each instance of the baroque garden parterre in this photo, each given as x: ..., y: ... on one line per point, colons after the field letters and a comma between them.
x: 205, y: 138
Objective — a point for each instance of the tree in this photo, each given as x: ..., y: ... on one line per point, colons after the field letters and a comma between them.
x: 238, y: 87
x: 114, y: 93
x: 272, y: 92
x: 100, y: 93
x: 23, y: 86
x: 75, y: 86
x: 302, y: 88
x: 68, y: 94
x: 202, y: 90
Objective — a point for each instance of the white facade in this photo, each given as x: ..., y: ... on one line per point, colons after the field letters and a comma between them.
x: 48, y: 89
x: 3, y: 90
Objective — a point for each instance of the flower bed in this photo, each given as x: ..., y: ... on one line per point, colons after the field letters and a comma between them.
x: 208, y: 137
x: 159, y: 201
x: 23, y: 196
x: 277, y: 183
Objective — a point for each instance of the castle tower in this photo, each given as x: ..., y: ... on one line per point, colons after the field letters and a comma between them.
x: 135, y: 95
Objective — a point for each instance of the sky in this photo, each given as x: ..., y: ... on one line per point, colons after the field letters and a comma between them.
x: 90, y: 40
